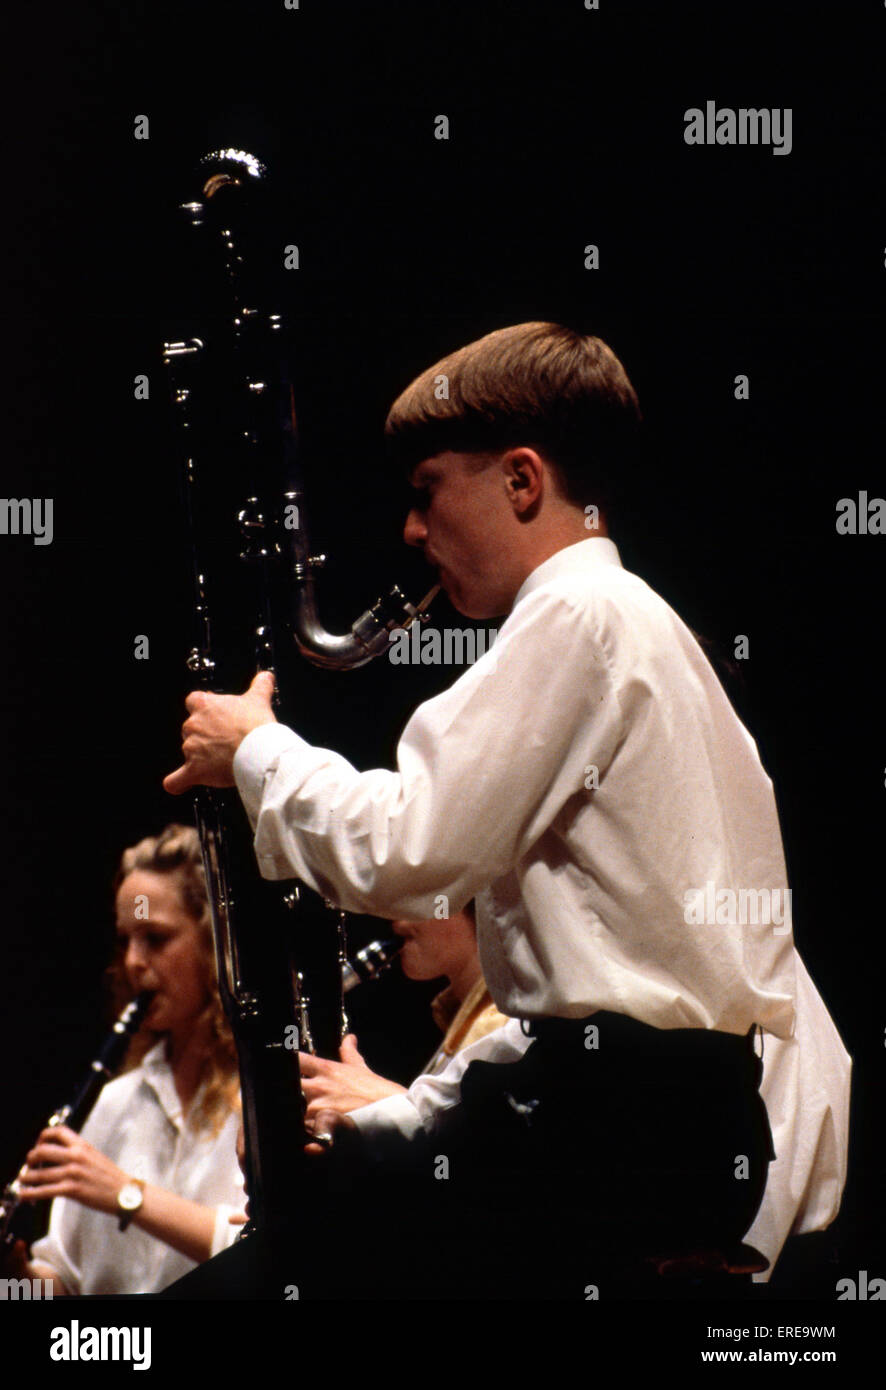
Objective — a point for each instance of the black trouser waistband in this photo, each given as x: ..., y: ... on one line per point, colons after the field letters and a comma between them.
x: 633, y: 1037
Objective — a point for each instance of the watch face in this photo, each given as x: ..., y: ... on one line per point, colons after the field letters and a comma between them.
x: 129, y: 1198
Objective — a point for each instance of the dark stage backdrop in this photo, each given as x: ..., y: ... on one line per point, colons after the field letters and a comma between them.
x: 565, y: 131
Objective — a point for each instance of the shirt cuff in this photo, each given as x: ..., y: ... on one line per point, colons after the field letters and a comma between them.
x: 385, y: 1118
x: 257, y: 756
x: 49, y: 1252
x: 224, y: 1233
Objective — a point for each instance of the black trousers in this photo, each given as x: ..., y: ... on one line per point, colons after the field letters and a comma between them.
x: 610, y: 1141
x: 606, y: 1142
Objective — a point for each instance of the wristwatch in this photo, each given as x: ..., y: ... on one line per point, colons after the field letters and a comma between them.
x: 129, y: 1199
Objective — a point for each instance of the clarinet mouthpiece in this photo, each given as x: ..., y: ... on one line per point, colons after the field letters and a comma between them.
x: 373, y: 960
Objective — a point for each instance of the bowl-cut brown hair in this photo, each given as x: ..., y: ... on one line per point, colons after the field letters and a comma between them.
x: 534, y: 384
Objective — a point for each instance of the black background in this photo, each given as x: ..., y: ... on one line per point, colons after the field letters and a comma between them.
x: 566, y: 128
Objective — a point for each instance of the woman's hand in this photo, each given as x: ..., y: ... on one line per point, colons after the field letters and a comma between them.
x: 331, y: 1128
x: 14, y: 1262
x: 61, y: 1164
x: 69, y: 1167
x: 344, y: 1085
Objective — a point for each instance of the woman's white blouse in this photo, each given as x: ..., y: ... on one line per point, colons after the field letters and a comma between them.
x: 138, y: 1123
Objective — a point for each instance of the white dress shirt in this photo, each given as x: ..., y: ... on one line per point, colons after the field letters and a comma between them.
x: 402, y: 1116
x: 806, y: 1087
x: 137, y: 1122
x: 581, y: 891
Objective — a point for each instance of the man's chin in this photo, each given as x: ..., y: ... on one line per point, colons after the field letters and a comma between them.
x: 475, y: 609
x: 478, y: 613
x: 462, y: 604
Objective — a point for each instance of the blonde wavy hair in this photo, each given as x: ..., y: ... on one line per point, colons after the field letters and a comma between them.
x: 176, y: 852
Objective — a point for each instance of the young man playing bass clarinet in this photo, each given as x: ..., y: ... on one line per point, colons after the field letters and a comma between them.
x: 609, y: 783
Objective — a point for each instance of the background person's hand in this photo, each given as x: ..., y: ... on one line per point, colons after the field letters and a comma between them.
x: 344, y: 1085
x: 331, y: 1128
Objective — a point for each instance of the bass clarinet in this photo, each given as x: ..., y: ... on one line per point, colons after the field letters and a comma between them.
x: 244, y: 492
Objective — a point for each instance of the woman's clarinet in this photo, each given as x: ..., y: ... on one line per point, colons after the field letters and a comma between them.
x: 370, y: 962
x: 14, y: 1213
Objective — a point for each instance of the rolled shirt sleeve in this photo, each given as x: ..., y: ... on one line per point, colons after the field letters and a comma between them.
x: 55, y: 1248
x: 395, y: 1118
x: 225, y: 1232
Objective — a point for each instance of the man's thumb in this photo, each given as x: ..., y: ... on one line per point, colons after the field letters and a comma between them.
x: 263, y: 685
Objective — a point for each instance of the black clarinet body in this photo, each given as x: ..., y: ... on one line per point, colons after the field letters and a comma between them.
x: 14, y: 1213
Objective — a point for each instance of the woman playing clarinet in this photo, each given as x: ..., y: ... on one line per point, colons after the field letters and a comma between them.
x: 146, y: 1190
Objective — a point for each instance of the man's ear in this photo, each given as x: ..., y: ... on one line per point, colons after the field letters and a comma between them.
x: 523, y: 470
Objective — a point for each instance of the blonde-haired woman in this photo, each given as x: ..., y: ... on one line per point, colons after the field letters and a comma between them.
x: 147, y: 1189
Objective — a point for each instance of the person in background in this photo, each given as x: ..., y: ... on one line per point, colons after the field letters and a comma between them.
x: 463, y: 1011
x: 146, y: 1190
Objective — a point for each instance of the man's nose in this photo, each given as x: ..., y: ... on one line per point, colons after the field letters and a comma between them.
x: 415, y: 532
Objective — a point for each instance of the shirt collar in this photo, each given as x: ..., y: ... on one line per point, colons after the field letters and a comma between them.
x: 444, y: 1007
x: 154, y: 1059
x: 595, y: 550
x: 454, y: 1017
x: 158, y: 1075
